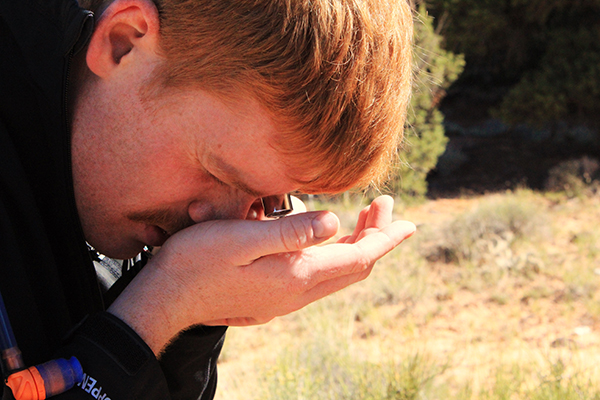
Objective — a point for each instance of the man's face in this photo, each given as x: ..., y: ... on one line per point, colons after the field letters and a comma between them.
x: 145, y: 170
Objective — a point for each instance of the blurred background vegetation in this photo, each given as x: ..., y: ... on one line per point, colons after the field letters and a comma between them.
x: 540, y: 58
x: 505, y: 92
x: 435, y: 70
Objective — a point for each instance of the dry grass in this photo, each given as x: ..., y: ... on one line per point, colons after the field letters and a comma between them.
x: 513, y: 313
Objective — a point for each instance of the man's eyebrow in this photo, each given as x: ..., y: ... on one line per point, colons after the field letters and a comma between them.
x: 232, y: 175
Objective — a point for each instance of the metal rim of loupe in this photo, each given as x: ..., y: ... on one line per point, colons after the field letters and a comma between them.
x: 276, y: 206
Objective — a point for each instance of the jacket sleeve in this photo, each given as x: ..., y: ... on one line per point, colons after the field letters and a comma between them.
x: 190, y: 363
x: 117, y: 364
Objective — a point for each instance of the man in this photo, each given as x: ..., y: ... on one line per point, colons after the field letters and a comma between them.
x: 164, y: 125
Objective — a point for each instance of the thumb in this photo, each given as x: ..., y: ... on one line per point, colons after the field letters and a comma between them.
x: 292, y: 233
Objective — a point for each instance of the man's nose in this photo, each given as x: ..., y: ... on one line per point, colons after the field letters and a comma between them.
x: 256, y: 211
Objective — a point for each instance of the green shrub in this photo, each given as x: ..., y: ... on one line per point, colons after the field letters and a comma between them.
x: 567, y: 82
x: 488, y: 232
x: 539, y: 61
x: 309, y: 373
x: 574, y: 177
x: 435, y: 70
x: 552, y: 380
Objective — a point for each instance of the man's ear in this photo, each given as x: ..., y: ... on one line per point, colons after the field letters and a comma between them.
x: 125, y: 25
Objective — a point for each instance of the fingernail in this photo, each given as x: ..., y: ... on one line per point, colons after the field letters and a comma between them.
x: 325, y: 225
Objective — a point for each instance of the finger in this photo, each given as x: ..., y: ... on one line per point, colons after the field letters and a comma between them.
x: 339, y: 278
x: 380, y: 212
x: 380, y: 215
x: 344, y: 239
x: 242, y: 242
x: 299, y: 231
x: 337, y: 259
x: 342, y: 278
x: 377, y: 215
x: 360, y: 225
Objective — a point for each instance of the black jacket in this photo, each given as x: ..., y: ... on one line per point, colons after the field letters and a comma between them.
x: 47, y: 277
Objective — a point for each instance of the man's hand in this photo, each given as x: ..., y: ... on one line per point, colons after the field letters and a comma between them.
x: 248, y: 272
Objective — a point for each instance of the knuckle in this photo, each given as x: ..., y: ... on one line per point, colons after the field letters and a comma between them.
x: 300, y: 282
x: 363, y: 263
x: 298, y: 285
x: 295, y: 233
x: 294, y: 278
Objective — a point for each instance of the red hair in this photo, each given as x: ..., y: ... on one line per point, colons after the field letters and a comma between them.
x: 335, y: 74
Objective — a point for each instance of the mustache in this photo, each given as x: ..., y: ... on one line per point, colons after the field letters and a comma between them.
x: 168, y: 220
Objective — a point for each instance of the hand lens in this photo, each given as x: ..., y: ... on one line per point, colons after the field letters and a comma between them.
x: 277, y: 206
